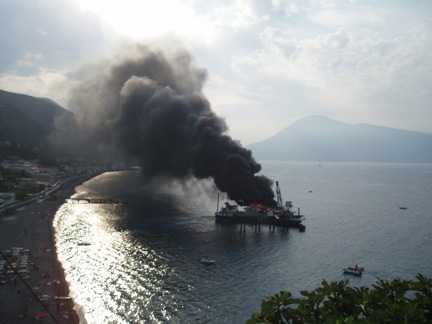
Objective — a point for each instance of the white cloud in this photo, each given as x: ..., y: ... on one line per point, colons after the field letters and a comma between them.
x: 275, y: 4
x: 45, y: 83
x: 291, y: 9
x: 347, y: 17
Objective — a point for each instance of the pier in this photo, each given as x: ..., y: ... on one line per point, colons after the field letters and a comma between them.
x: 258, y: 221
x: 92, y: 201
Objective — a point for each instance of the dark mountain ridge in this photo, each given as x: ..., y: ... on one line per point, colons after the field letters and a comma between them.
x: 40, y: 110
x: 30, y: 123
x: 17, y: 127
x: 318, y: 138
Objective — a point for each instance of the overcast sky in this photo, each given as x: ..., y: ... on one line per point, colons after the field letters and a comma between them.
x: 269, y: 63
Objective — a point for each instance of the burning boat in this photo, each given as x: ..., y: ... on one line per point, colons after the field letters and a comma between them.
x: 282, y: 215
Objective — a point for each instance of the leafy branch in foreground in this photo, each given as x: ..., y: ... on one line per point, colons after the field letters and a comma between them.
x: 398, y: 301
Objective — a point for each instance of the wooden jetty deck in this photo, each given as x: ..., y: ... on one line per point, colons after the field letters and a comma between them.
x: 92, y: 201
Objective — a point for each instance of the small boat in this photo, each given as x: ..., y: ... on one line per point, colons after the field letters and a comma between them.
x: 207, y: 261
x: 357, y: 273
x: 40, y: 316
x: 62, y: 298
x: 403, y: 207
x: 357, y: 268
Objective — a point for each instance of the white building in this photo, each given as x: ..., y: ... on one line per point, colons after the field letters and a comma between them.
x: 7, y: 198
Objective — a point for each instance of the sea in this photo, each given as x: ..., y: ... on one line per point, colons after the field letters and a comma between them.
x: 137, y: 260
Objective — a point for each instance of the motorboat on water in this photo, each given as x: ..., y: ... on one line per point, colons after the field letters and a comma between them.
x: 357, y: 273
x: 356, y: 270
x: 207, y: 261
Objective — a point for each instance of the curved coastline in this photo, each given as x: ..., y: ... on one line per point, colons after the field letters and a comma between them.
x: 28, y: 228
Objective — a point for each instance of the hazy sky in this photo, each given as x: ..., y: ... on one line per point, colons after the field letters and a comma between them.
x: 269, y: 63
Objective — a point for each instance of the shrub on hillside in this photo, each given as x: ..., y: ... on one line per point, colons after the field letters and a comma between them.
x: 398, y: 301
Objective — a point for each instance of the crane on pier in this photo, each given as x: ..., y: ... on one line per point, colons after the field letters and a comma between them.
x: 279, y: 196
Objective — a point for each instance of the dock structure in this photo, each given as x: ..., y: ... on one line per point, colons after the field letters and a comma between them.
x: 258, y: 221
x: 92, y: 201
x: 255, y: 215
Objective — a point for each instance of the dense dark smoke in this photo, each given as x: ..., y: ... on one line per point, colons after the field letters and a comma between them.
x: 151, y: 106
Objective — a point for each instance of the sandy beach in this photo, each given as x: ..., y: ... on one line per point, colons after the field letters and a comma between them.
x: 36, y: 289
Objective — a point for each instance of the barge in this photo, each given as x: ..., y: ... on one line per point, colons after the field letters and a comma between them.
x: 254, y: 214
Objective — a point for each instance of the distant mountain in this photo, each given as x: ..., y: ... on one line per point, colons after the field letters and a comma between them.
x: 40, y: 110
x: 317, y: 138
x: 28, y: 121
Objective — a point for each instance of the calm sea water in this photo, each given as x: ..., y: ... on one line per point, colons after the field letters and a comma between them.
x: 139, y: 262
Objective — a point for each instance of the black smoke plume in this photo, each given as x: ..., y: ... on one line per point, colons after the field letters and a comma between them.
x: 150, y: 106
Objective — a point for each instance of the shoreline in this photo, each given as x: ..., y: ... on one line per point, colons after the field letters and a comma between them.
x: 27, y: 240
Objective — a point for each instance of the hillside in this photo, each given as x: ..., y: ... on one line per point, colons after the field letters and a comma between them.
x: 17, y: 127
x: 39, y: 110
x: 28, y: 122
x: 317, y: 138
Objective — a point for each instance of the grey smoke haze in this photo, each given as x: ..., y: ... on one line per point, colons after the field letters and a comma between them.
x: 149, y: 105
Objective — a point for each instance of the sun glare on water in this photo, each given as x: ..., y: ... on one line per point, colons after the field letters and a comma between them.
x: 148, y: 18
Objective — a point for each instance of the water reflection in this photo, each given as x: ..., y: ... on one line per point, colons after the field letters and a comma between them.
x: 112, y: 269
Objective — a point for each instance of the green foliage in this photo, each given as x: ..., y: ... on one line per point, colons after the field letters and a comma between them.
x: 399, y: 301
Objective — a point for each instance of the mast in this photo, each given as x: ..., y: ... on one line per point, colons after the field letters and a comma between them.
x: 279, y: 196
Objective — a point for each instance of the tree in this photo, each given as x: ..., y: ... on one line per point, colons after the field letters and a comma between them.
x: 398, y: 301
